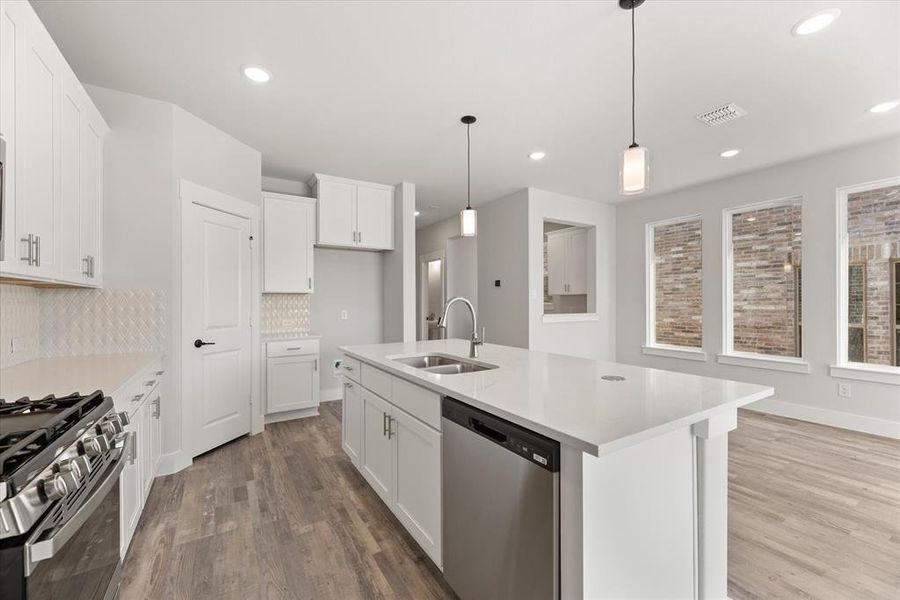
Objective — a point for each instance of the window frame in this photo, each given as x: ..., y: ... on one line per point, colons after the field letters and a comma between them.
x: 729, y: 355
x: 843, y: 368
x: 651, y: 346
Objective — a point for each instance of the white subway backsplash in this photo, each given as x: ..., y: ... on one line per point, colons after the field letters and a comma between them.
x: 284, y: 313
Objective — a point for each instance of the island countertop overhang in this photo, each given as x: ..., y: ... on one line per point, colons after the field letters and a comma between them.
x: 566, y: 398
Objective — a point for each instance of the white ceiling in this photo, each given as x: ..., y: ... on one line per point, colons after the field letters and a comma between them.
x: 375, y: 90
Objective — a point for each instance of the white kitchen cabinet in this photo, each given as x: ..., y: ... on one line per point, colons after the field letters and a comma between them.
x: 144, y: 455
x: 291, y: 376
x: 567, y: 261
x: 155, y: 436
x: 130, y: 496
x: 53, y: 169
x: 377, y: 457
x: 354, y: 214
x: 289, y: 232
x: 417, y: 480
x: 351, y: 422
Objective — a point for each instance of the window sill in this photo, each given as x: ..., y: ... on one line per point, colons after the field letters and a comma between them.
x: 761, y: 361
x: 674, y: 352
x: 871, y: 373
x: 571, y: 317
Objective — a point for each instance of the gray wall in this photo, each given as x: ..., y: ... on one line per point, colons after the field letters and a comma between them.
x: 345, y: 280
x: 810, y: 396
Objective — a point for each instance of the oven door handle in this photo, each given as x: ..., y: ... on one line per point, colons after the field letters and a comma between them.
x: 36, y: 551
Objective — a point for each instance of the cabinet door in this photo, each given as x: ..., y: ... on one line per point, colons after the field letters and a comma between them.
x: 92, y: 199
x: 73, y: 263
x: 351, y: 422
x: 337, y: 213
x: 576, y: 262
x: 37, y: 125
x: 557, y: 246
x: 288, y: 235
x: 155, y: 436
x: 374, y: 218
x: 130, y: 492
x: 12, y: 43
x: 144, y: 458
x: 292, y: 383
x: 417, y: 481
x: 377, y: 461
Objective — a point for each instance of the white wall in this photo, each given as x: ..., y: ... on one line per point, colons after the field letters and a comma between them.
x: 434, y: 237
x: 400, y: 269
x: 813, y: 396
x: 285, y: 186
x: 503, y: 254
x: 349, y: 280
x: 591, y: 339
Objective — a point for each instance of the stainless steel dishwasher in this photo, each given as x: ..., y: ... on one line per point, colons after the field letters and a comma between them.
x: 500, y: 506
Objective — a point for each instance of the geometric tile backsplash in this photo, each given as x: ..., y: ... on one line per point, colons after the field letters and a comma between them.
x: 284, y: 313
x: 106, y: 321
x: 70, y: 322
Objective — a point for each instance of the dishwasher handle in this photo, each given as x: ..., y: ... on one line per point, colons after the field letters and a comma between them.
x: 487, y: 431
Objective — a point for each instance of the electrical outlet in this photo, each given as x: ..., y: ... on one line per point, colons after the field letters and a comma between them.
x: 844, y: 390
x: 345, y: 314
x: 16, y: 345
x: 336, y: 367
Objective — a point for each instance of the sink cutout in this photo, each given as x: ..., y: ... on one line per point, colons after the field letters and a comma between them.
x: 442, y: 364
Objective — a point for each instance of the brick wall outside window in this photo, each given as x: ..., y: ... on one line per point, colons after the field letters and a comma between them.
x: 766, y: 259
x: 677, y: 249
x: 873, y: 228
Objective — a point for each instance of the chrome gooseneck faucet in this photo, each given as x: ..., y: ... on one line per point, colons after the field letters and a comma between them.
x: 474, y: 341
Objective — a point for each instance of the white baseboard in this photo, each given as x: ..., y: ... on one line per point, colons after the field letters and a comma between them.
x: 290, y: 415
x: 329, y: 394
x: 172, y: 463
x: 826, y: 416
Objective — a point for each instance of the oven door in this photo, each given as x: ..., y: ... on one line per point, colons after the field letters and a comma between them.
x: 78, y: 558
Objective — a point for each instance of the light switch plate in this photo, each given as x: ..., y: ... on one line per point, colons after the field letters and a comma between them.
x: 344, y: 314
x: 16, y: 345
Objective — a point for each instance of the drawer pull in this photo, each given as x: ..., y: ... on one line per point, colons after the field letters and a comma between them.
x: 294, y: 348
x: 348, y: 368
x: 150, y: 383
x: 137, y: 397
x: 159, y: 373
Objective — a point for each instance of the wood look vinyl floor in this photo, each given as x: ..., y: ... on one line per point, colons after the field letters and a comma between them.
x: 814, y: 513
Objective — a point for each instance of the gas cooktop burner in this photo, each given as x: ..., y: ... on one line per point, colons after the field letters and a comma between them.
x: 29, y: 427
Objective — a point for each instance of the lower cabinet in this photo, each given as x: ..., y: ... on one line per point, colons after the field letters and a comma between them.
x: 399, y: 455
x: 351, y: 422
x: 131, y: 498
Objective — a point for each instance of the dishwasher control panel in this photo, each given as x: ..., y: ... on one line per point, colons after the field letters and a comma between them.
x: 531, y: 446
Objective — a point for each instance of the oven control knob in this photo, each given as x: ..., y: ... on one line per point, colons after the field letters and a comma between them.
x: 123, y: 418
x: 79, y: 466
x: 54, y: 487
x: 95, y: 445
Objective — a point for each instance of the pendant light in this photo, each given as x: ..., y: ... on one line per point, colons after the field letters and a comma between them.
x: 634, y: 170
x: 468, y: 219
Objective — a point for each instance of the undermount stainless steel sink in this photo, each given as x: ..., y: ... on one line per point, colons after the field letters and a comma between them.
x: 442, y: 364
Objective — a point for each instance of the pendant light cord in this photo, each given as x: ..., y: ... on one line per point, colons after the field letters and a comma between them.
x: 468, y: 169
x: 633, y: 70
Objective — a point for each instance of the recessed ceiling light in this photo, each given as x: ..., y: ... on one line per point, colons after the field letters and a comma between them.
x: 885, y: 106
x: 417, y: 213
x: 257, y: 74
x: 537, y: 155
x: 730, y: 153
x: 816, y: 23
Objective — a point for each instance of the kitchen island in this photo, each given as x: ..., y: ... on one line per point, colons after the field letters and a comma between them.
x: 643, y: 456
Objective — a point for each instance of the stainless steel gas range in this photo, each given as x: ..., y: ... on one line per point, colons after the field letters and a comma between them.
x: 60, y: 461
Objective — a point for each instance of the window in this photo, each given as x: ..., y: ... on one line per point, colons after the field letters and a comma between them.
x: 763, y: 292
x: 674, y: 283
x: 869, y: 221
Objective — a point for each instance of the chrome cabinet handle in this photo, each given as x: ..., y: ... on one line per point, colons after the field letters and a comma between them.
x: 156, y: 408
x: 347, y: 368
x: 159, y: 373
x: 384, y: 423
x: 87, y: 266
x: 391, y: 432
x: 37, y: 250
x: 310, y: 282
x: 359, y: 236
x: 150, y: 383
x: 349, y: 385
x: 137, y: 397
x: 316, y: 367
x: 92, y: 266
x: 30, y: 241
x: 294, y: 348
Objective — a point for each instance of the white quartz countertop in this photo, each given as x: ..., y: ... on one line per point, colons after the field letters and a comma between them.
x: 69, y: 374
x: 282, y: 336
x: 565, y: 398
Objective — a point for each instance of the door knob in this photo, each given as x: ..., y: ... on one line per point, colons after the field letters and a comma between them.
x: 198, y: 342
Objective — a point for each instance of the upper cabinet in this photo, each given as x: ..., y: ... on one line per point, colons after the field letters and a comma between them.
x: 567, y: 261
x: 289, y: 231
x: 53, y: 136
x: 354, y: 214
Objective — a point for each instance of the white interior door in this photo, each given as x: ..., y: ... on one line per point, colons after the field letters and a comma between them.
x: 461, y: 280
x: 216, y: 320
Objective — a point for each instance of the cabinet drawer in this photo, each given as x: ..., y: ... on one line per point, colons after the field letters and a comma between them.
x: 377, y: 381
x: 350, y: 368
x: 292, y: 347
x: 423, y: 404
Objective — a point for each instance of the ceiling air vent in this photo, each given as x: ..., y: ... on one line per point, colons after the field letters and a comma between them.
x: 722, y: 114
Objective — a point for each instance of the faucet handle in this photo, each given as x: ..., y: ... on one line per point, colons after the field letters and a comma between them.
x: 476, y: 339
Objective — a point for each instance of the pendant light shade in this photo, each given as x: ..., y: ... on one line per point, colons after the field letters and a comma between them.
x: 468, y: 218
x: 634, y: 170
x: 634, y: 167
